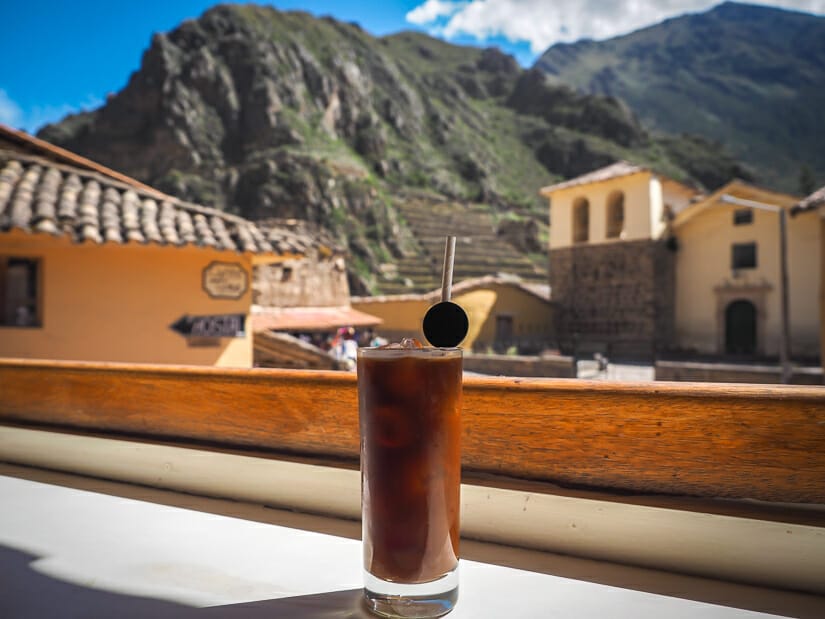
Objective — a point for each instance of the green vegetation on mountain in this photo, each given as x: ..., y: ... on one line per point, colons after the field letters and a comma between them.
x: 272, y: 114
x: 749, y: 77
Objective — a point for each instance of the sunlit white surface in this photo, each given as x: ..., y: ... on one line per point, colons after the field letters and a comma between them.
x: 114, y: 544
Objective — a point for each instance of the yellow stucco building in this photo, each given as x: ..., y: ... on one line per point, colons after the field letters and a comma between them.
x: 502, y: 312
x: 728, y: 284
x: 641, y: 264
x: 96, y: 266
x: 815, y: 203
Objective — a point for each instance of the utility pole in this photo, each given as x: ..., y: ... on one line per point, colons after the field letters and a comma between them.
x: 785, y: 343
x: 785, y: 334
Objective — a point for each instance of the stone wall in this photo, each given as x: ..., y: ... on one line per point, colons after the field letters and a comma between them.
x: 313, y: 281
x: 616, y: 298
x: 549, y: 366
x: 734, y: 373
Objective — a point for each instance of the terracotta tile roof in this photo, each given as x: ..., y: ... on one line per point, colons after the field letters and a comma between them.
x: 539, y: 290
x: 310, y: 318
x: 542, y: 291
x: 28, y: 144
x: 736, y: 188
x: 614, y: 170
x: 320, y: 238
x: 38, y: 194
x: 815, y: 200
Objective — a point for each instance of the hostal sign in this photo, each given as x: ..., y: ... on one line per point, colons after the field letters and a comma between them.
x: 215, y: 325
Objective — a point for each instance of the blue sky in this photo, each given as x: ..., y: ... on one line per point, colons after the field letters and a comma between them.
x: 61, y: 56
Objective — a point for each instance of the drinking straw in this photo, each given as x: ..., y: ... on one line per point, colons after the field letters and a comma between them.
x: 445, y: 323
x: 447, y: 273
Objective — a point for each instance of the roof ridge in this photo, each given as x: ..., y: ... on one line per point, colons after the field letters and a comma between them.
x: 86, y: 173
x: 48, y: 147
x: 593, y: 175
x: 812, y: 201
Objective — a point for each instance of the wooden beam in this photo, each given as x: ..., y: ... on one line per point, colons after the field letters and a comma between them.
x: 705, y: 440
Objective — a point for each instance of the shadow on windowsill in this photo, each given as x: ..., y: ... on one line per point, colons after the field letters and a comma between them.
x: 28, y: 594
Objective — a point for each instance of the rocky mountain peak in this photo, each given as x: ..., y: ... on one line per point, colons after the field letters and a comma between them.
x: 280, y: 114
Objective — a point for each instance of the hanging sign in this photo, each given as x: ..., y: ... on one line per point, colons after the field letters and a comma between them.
x: 225, y: 280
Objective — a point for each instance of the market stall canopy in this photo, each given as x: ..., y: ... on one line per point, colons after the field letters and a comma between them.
x: 310, y: 318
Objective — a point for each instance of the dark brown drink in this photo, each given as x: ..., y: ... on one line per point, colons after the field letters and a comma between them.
x: 409, y: 411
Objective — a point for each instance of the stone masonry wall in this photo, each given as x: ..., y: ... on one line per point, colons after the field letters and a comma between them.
x: 734, y: 373
x: 615, y: 298
x: 307, y: 282
x: 547, y: 366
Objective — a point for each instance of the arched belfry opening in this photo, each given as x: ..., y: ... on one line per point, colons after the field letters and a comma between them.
x: 615, y: 215
x: 581, y: 220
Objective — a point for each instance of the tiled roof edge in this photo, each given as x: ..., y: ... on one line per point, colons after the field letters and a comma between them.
x: 815, y: 200
x: 582, y: 179
x: 72, y: 158
x: 144, y: 191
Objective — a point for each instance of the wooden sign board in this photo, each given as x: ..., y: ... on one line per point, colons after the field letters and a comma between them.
x: 225, y: 280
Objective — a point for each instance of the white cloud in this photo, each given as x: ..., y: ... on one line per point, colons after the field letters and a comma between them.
x: 542, y: 23
x: 433, y: 10
x: 41, y: 115
x: 35, y: 117
x: 10, y: 112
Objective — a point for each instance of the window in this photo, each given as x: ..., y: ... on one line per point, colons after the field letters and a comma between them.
x: 581, y: 220
x: 743, y: 256
x: 19, y: 285
x: 615, y: 215
x: 742, y: 216
x: 286, y: 274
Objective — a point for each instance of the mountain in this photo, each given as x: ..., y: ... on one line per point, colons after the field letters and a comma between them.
x: 280, y: 114
x: 750, y: 77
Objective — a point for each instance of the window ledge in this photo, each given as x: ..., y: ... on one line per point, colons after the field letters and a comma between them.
x: 772, y: 553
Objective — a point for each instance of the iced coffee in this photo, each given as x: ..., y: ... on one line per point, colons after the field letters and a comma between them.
x: 409, y: 411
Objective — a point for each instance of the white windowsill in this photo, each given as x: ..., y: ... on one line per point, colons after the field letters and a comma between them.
x: 774, y: 554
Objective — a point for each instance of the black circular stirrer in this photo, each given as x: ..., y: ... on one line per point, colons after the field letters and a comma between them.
x: 445, y: 323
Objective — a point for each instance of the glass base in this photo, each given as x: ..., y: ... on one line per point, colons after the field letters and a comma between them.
x: 422, y: 600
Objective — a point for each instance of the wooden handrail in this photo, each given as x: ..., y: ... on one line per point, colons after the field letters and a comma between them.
x: 705, y: 440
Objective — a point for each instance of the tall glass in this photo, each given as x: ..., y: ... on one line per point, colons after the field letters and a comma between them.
x: 409, y: 403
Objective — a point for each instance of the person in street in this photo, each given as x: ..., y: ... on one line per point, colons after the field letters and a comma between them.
x: 346, y: 348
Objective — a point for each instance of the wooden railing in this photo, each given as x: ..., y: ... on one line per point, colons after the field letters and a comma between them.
x: 699, y: 440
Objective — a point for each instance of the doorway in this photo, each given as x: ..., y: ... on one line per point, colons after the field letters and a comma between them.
x: 740, y: 328
x: 504, y: 331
